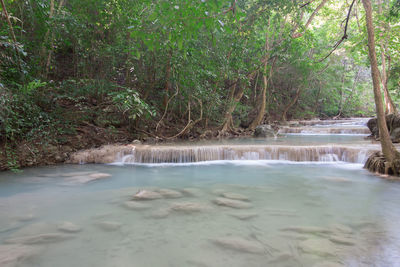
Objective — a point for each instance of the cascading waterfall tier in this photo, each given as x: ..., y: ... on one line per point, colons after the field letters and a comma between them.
x: 325, y: 130
x: 185, y: 154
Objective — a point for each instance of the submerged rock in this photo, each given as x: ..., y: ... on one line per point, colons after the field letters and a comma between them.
x: 146, y: 195
x: 69, y: 227
x: 168, y: 193
x: 235, y: 196
x: 284, y: 257
x: 244, y: 216
x: 318, y: 246
x: 240, y: 244
x: 341, y: 228
x: 188, y: 207
x: 160, y: 214
x: 342, y: 240
x: 38, y: 239
x: 236, y: 204
x: 134, y: 205
x: 25, y: 218
x: 83, y: 179
x: 13, y: 255
x: 337, y: 179
x: 328, y: 264
x: 109, y: 226
x: 70, y: 174
x: 191, y: 192
x: 307, y: 230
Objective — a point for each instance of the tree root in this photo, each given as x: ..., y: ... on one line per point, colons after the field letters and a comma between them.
x: 377, y: 163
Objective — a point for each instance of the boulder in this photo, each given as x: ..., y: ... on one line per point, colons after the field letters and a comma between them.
x: 264, y: 130
x: 372, y: 125
x: 393, y: 124
x: 395, y: 135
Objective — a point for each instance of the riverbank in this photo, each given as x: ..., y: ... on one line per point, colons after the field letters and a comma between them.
x: 89, y: 137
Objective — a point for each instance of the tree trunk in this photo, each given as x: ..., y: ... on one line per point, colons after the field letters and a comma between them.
x: 167, y: 79
x: 263, y: 100
x: 232, y: 102
x: 390, y: 108
x: 349, y: 97
x: 294, y: 100
x: 389, y: 151
x: 3, y: 5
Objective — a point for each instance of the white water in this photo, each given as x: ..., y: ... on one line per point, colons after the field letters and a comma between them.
x: 297, y: 213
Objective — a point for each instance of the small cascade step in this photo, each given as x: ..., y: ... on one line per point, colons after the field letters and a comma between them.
x: 325, y: 130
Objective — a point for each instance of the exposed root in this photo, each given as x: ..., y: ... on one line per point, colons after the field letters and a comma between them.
x: 166, y: 107
x: 377, y: 163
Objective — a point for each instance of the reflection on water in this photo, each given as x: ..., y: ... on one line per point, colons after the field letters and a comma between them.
x: 237, y: 213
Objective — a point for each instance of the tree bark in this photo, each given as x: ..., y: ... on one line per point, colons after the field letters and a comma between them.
x: 263, y: 101
x: 294, y: 100
x: 390, y: 108
x: 232, y: 102
x: 388, y: 149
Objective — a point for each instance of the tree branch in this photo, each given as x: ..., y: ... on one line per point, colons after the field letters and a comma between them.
x: 345, y: 36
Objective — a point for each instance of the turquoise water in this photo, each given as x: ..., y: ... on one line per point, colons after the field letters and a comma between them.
x: 292, y: 213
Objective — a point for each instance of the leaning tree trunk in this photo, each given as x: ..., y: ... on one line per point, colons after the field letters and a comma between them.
x: 390, y: 153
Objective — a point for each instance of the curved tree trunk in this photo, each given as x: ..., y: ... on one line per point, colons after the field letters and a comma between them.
x: 389, y: 151
x: 294, y: 100
x: 232, y: 102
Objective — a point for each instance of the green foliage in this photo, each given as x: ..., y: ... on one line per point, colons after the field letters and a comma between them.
x: 131, y: 105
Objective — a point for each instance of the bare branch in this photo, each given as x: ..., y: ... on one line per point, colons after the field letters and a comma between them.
x: 309, y: 2
x: 345, y: 36
x: 299, y: 34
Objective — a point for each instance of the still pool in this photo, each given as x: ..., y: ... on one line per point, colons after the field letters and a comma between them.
x: 220, y: 213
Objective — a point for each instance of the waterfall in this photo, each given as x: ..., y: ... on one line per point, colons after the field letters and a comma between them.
x: 186, y: 154
x: 325, y: 130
